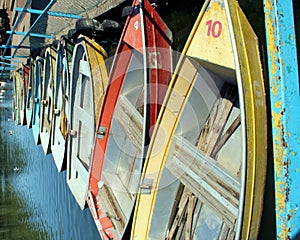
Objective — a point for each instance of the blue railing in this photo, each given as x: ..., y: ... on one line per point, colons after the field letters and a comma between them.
x: 23, y: 11
x: 285, y: 112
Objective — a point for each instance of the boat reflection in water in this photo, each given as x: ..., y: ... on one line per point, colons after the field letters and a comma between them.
x: 35, y: 201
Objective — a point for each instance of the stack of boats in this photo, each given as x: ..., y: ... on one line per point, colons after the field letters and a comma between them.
x: 156, y: 148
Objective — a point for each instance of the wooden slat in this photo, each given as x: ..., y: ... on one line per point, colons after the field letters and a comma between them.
x: 180, y: 213
x: 223, y: 208
x: 236, y: 123
x: 189, y: 221
x: 201, y: 174
x: 130, y: 121
x: 83, y: 116
x: 112, y: 207
x: 217, y: 120
x: 205, y: 168
x: 84, y: 68
x: 224, y: 232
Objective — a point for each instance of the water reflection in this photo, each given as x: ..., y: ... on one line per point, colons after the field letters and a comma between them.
x: 35, y: 200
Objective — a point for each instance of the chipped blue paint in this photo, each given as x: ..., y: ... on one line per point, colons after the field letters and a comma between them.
x: 31, y: 34
x: 54, y: 14
x: 285, y: 111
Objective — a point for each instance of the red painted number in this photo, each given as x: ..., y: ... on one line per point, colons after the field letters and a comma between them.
x: 214, y: 28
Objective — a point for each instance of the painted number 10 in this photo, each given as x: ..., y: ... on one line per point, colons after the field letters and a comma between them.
x: 214, y: 28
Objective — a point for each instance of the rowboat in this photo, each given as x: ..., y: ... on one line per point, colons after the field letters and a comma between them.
x: 138, y: 80
x: 38, y: 68
x: 204, y: 172
x: 46, y: 113
x: 88, y: 84
x: 61, y: 102
x: 13, y: 102
x: 17, y: 97
x: 24, y: 71
x: 30, y: 90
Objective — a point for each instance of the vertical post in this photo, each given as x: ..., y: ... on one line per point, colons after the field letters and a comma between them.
x: 285, y: 110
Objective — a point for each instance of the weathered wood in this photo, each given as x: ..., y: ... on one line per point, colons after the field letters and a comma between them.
x: 114, y: 212
x: 197, y: 211
x: 208, y: 198
x: 130, y: 121
x: 200, y: 173
x: 189, y: 221
x: 217, y: 119
x: 203, y: 139
x: 236, y: 123
x: 180, y: 213
x: 224, y: 232
x: 187, y: 158
x: 181, y: 188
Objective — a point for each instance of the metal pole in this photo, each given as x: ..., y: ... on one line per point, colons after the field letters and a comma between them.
x: 36, y: 21
x: 8, y: 64
x: 30, y: 34
x: 13, y: 46
x: 54, y: 14
x: 9, y: 57
x: 285, y: 109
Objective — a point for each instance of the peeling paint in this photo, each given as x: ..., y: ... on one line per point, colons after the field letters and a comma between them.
x: 278, y: 104
x: 285, y: 103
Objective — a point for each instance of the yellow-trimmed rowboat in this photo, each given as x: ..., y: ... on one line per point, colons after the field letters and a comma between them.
x: 88, y: 84
x: 204, y: 175
x: 47, y: 98
x: 24, y: 71
x: 30, y: 94
x: 17, y: 97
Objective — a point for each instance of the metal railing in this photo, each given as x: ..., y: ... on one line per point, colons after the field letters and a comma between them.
x: 24, y: 10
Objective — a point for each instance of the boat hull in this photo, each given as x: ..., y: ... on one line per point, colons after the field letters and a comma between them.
x: 46, y: 113
x: 24, y: 92
x: 30, y: 91
x: 61, y: 104
x: 17, y: 101
x: 88, y: 84
x: 138, y: 80
x: 205, y: 167
x: 37, y: 96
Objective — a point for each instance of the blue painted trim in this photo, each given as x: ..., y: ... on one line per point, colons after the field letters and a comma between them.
x: 31, y: 34
x: 7, y: 68
x: 54, y: 14
x: 285, y: 110
x: 15, y: 60
x: 36, y: 21
x: 9, y: 57
x: 8, y: 64
x: 11, y: 46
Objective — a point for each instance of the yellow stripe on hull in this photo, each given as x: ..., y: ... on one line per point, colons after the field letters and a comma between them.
x: 234, y: 48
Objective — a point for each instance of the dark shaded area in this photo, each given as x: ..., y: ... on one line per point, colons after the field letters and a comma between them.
x: 296, y: 4
x: 254, y: 12
x: 4, y: 26
x: 34, y: 41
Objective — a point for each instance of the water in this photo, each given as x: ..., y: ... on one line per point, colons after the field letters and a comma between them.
x: 36, y: 202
